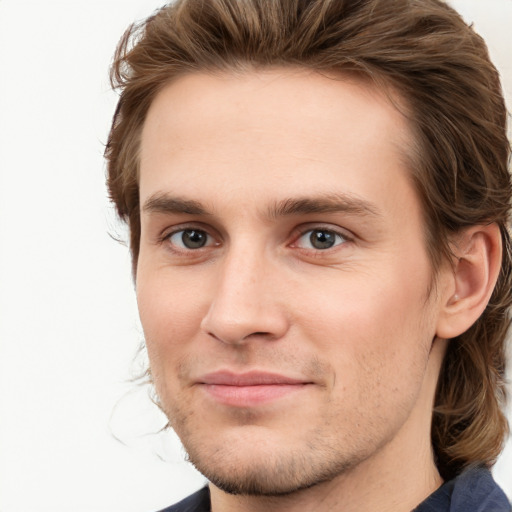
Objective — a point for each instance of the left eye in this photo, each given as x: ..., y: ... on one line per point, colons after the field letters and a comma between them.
x: 319, y: 239
x: 190, y: 239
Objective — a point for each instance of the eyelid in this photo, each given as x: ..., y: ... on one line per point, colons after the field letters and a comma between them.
x: 165, y: 236
x: 302, y: 230
x: 297, y: 233
x: 183, y: 226
x: 181, y: 244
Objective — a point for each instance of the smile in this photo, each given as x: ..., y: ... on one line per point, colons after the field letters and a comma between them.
x: 249, y: 389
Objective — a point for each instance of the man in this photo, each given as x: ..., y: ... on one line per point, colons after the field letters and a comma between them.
x: 317, y: 195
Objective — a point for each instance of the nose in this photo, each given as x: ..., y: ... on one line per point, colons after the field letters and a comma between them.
x: 246, y: 303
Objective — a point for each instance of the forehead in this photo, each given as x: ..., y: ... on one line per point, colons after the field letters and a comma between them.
x: 258, y: 133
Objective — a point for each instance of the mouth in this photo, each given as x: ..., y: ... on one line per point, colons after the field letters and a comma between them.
x: 249, y: 389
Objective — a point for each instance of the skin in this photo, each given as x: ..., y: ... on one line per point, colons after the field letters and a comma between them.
x: 356, y: 324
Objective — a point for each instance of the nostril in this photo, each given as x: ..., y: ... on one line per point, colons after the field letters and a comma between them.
x: 240, y: 339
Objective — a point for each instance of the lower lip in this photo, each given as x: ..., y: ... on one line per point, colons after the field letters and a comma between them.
x: 247, y: 396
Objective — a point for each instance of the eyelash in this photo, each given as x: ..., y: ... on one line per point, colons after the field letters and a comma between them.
x: 338, y: 234
x: 166, y: 238
x: 341, y: 238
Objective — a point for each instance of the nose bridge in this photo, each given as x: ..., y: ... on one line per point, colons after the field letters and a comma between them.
x: 244, y: 300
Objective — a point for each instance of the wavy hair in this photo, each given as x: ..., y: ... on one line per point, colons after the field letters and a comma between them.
x: 440, y: 67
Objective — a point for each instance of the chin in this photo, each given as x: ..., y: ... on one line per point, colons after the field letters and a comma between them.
x: 263, y: 472
x: 261, y: 484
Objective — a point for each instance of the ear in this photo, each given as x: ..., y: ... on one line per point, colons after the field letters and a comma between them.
x: 476, y: 265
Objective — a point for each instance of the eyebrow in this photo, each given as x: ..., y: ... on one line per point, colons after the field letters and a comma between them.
x: 161, y: 202
x: 164, y: 203
x: 330, y: 203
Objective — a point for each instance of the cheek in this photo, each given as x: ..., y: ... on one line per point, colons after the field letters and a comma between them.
x: 168, y: 305
x: 170, y: 313
x: 380, y: 325
x: 378, y: 346
x: 371, y: 308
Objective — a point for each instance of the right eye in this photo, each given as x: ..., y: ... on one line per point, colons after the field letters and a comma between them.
x: 190, y: 239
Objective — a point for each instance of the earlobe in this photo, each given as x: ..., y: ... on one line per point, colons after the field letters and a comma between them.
x: 477, y: 260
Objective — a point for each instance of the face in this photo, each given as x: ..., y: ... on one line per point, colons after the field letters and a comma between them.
x: 283, y: 281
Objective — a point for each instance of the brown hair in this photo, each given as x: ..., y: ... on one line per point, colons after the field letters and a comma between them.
x: 440, y: 66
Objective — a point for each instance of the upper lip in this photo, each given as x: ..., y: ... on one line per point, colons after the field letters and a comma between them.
x: 252, y: 378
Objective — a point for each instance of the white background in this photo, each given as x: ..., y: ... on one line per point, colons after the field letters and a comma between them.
x: 68, y: 323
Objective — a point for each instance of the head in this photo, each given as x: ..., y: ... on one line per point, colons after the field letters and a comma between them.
x: 413, y: 61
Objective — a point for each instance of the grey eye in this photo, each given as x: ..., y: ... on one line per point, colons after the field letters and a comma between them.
x: 190, y: 239
x: 320, y: 239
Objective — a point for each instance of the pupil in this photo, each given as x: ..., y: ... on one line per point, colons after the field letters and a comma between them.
x: 322, y: 239
x: 193, y: 239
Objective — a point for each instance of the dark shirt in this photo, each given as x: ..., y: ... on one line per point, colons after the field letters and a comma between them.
x: 472, y: 491
x: 197, y: 502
